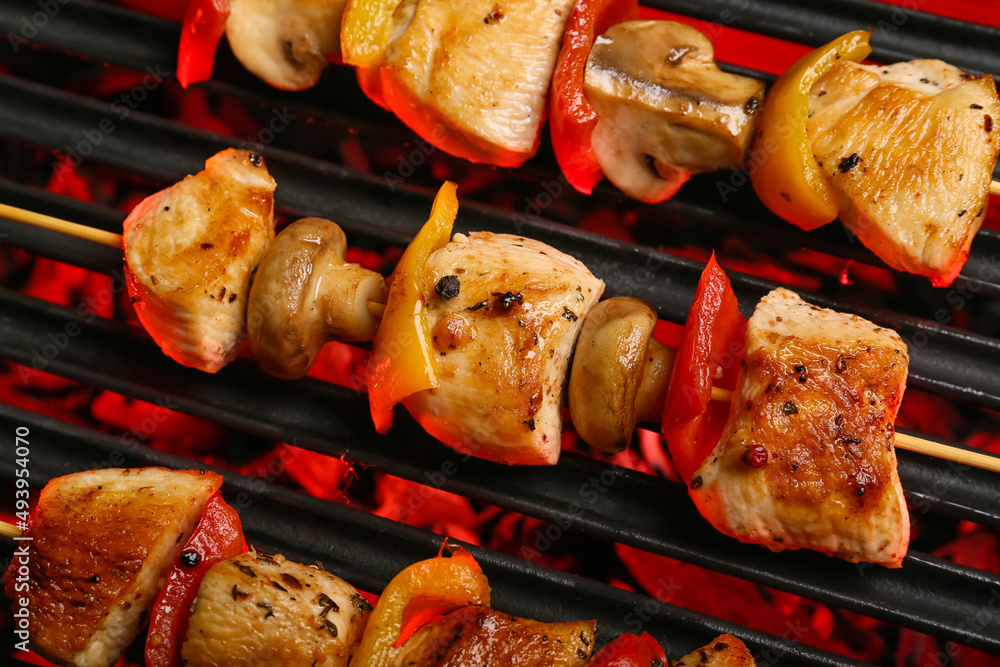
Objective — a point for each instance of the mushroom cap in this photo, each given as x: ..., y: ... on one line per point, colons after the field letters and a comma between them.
x: 608, y: 368
x: 287, y: 44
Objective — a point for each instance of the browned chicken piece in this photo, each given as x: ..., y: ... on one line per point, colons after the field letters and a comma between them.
x: 102, y: 543
x: 190, y: 252
x: 667, y: 110
x: 910, y: 150
x: 723, y: 651
x: 479, y: 70
x: 287, y: 43
x: 504, y: 313
x: 807, y: 458
x: 483, y: 637
x: 258, y: 610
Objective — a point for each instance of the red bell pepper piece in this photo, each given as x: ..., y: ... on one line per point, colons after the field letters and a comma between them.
x: 219, y: 536
x: 204, y: 23
x: 630, y: 651
x: 571, y: 116
x: 712, y: 344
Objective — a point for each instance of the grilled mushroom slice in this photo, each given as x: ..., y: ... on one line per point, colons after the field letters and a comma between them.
x: 190, y: 251
x: 909, y: 149
x: 666, y: 109
x: 256, y: 609
x: 305, y: 294
x: 620, y: 374
x: 287, y: 43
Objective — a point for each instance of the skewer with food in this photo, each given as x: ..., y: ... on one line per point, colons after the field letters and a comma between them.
x: 474, y: 335
x: 903, y: 154
x: 110, y: 548
x: 647, y: 107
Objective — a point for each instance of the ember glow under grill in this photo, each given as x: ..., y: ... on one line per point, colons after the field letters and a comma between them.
x: 335, y: 155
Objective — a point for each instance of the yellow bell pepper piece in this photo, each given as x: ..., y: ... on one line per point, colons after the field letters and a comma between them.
x: 789, y: 181
x: 364, y: 31
x: 402, y: 360
x: 439, y: 584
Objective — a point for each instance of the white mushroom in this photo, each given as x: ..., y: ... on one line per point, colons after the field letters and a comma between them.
x: 286, y: 43
x: 305, y: 295
x: 666, y: 109
x: 620, y: 374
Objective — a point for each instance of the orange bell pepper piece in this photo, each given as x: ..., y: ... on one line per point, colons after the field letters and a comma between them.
x: 402, y: 360
x: 789, y: 181
x: 439, y: 584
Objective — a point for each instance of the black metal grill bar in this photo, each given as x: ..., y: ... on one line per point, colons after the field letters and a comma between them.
x: 579, y: 494
x: 898, y: 33
x: 368, y: 550
x: 945, y: 360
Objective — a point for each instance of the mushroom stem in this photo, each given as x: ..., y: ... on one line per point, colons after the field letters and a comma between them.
x: 376, y: 309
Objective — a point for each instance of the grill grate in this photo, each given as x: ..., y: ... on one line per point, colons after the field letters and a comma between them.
x: 368, y: 550
x: 929, y: 594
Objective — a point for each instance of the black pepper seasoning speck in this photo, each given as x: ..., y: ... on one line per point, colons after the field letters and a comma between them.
x: 849, y: 162
x: 190, y: 558
x: 448, y: 287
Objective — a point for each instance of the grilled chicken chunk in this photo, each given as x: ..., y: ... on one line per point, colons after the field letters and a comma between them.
x: 482, y: 637
x: 910, y: 150
x: 815, y: 403
x: 191, y: 250
x: 256, y: 610
x: 667, y: 110
x: 479, y: 69
x: 723, y: 651
x: 102, y: 542
x: 287, y: 43
x: 504, y: 313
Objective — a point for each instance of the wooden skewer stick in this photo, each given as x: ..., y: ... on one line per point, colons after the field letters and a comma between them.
x: 99, y: 236
x: 9, y: 530
x: 61, y: 226
x: 915, y: 444
x: 911, y: 443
